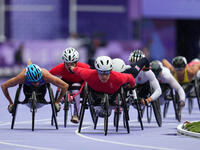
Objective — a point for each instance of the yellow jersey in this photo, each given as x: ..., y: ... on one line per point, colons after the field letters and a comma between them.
x: 186, y: 79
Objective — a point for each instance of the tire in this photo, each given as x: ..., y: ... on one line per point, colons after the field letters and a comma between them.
x: 157, y: 112
x: 125, y: 110
x: 33, y: 108
x: 66, y: 109
x: 106, y: 106
x: 197, y: 90
x: 190, y: 105
x: 52, y: 101
x: 149, y: 113
x: 15, y: 105
x: 166, y: 107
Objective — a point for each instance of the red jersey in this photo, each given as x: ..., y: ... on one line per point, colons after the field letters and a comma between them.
x: 61, y: 71
x: 115, y: 81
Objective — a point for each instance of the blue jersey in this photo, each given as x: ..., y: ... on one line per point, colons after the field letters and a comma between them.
x: 42, y: 82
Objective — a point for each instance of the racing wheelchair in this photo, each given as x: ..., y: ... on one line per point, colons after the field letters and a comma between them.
x: 106, y: 102
x: 33, y: 101
x: 143, y: 91
x: 171, y: 95
x: 133, y: 100
x: 192, y: 90
x: 69, y: 100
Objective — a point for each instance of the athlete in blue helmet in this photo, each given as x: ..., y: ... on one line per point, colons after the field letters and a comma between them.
x: 34, y: 77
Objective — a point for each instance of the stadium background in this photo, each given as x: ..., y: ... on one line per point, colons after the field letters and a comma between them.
x: 103, y: 27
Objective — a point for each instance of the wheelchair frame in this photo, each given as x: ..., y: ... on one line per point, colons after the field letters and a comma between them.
x: 33, y: 103
x: 153, y: 106
x: 87, y: 103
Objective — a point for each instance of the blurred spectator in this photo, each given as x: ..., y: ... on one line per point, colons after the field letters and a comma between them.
x: 19, y: 54
x: 95, y: 44
x: 74, y: 41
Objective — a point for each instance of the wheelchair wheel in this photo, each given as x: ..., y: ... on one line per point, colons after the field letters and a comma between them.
x: 149, y: 112
x: 139, y: 110
x: 125, y: 110
x: 82, y: 112
x: 157, y: 113
x: 117, y: 113
x: 197, y: 90
x: 53, y: 107
x: 66, y: 109
x: 33, y: 108
x: 190, y: 105
x: 83, y: 107
x: 106, y: 107
x: 166, y: 107
x: 15, y: 105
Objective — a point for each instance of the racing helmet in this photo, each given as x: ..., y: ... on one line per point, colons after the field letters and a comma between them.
x: 118, y: 65
x: 33, y: 73
x: 70, y: 55
x: 135, y: 56
x: 179, y: 62
x: 156, y: 67
x: 103, y: 63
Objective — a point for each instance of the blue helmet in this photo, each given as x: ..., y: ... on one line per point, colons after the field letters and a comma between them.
x: 33, y: 73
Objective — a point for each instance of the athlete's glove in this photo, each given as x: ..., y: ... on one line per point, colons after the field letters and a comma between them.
x: 10, y: 108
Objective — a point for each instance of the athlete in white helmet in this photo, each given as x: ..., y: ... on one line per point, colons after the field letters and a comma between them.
x: 70, y: 58
x: 164, y: 76
x: 144, y: 76
x: 103, y: 80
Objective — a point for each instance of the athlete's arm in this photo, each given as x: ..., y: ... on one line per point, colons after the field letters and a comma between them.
x: 19, y: 79
x: 155, y: 85
x: 177, y: 87
x: 137, y: 67
x: 168, y: 65
x: 48, y: 77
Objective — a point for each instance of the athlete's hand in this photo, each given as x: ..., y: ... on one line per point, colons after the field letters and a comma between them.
x: 10, y: 108
x: 71, y: 68
x: 182, y: 103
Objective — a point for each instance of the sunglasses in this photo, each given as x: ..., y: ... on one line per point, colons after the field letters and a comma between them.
x: 103, y: 72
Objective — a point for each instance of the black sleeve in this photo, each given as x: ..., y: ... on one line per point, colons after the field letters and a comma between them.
x: 137, y: 67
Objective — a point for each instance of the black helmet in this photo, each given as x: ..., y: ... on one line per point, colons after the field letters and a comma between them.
x: 135, y: 56
x: 156, y: 67
x: 179, y: 62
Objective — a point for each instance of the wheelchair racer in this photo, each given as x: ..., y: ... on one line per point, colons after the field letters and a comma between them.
x: 70, y: 58
x: 144, y: 77
x: 165, y: 77
x: 181, y: 71
x: 102, y: 79
x: 33, y: 77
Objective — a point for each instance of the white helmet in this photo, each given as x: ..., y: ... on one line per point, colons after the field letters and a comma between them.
x: 103, y: 63
x: 135, y: 56
x: 70, y: 55
x: 118, y: 65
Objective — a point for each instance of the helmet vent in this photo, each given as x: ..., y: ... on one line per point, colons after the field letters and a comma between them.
x: 101, y: 62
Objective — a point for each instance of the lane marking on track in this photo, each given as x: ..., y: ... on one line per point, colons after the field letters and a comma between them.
x: 27, y: 146
x: 120, y: 143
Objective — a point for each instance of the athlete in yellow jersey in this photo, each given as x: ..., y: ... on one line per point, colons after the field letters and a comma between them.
x: 181, y: 71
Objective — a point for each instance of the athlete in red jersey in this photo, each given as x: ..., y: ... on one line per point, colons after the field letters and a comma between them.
x: 70, y: 57
x: 103, y: 79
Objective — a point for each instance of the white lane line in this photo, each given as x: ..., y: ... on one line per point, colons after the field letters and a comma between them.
x: 27, y: 146
x: 120, y: 143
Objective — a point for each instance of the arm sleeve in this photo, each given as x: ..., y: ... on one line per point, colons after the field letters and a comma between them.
x: 156, y: 87
x: 177, y: 87
x: 84, y: 73
x: 137, y: 67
